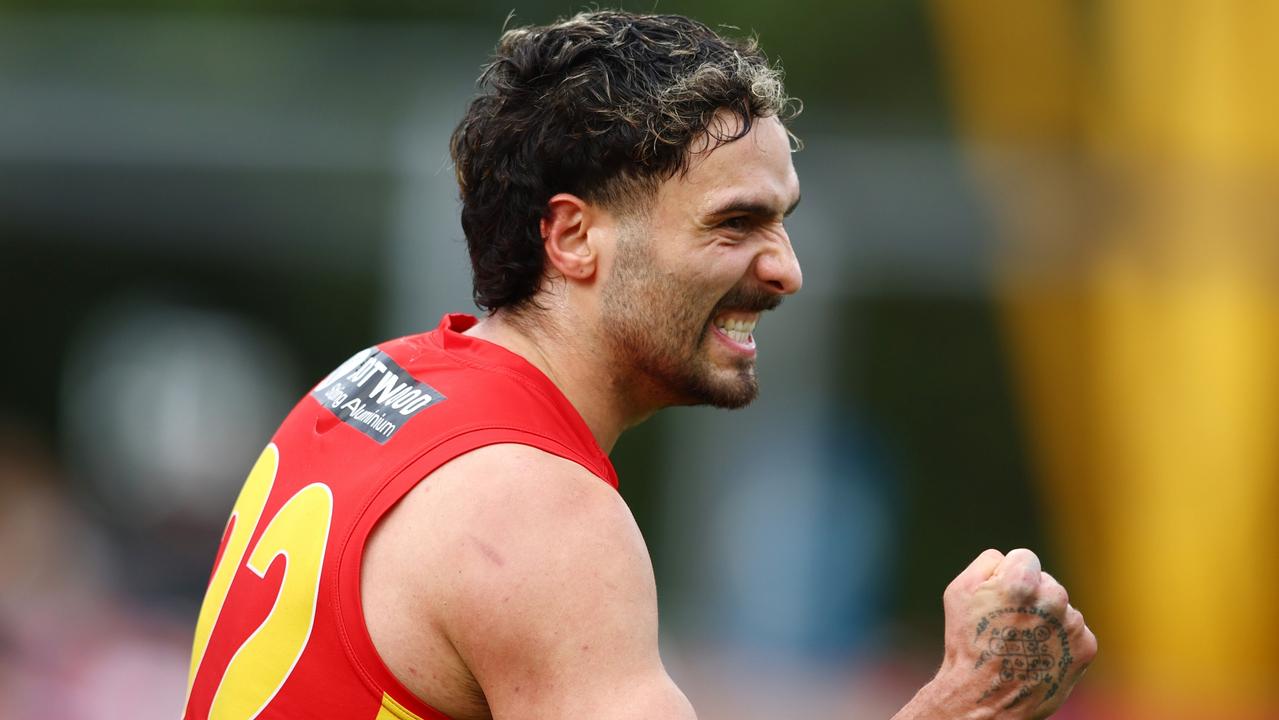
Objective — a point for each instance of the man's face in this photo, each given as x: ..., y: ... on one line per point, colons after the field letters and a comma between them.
x: 691, y: 277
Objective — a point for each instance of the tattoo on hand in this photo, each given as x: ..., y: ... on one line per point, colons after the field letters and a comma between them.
x: 1026, y: 653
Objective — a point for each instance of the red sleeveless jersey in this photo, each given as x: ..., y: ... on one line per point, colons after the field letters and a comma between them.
x: 281, y: 633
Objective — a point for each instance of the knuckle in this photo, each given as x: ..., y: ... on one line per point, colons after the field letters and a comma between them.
x: 1055, y: 598
x: 1023, y: 555
x: 1052, y: 593
x: 1074, y: 618
x: 1021, y: 565
x: 1087, y: 646
x: 951, y: 590
x: 1020, y: 586
x: 1029, y: 560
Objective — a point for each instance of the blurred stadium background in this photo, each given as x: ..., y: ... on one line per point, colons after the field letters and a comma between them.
x: 1040, y: 242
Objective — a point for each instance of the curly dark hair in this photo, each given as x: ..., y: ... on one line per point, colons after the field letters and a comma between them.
x: 604, y: 105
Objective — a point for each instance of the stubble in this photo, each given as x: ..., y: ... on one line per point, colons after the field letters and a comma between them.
x: 658, y: 327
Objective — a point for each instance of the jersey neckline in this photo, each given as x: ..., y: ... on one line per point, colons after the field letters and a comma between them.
x: 452, y: 339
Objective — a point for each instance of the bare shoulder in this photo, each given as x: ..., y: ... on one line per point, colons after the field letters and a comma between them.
x: 502, y: 489
x: 522, y: 526
x: 531, y: 572
x: 488, y: 510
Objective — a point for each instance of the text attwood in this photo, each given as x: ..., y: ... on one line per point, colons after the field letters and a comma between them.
x: 373, y: 394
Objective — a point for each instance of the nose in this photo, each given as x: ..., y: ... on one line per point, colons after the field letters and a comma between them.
x: 778, y: 267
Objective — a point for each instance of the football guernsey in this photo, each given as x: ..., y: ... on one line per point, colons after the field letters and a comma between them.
x: 281, y: 633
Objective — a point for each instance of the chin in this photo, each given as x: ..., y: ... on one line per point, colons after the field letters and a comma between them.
x: 731, y: 402
x: 731, y: 393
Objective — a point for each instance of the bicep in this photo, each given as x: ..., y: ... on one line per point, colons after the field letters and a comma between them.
x: 555, y: 606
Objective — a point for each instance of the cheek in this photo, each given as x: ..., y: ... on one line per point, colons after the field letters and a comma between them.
x: 732, y: 263
x: 683, y: 292
x: 715, y: 268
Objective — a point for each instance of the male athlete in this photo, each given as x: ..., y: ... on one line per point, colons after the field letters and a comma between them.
x: 435, y: 532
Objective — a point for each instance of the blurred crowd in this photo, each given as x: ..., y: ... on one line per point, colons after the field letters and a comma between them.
x: 73, y: 643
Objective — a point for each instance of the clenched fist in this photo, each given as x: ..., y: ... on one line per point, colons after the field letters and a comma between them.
x: 1015, y: 647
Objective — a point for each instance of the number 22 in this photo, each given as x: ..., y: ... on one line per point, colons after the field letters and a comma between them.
x: 299, y: 531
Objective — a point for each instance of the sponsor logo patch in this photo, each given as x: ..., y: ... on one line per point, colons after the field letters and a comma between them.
x: 374, y: 395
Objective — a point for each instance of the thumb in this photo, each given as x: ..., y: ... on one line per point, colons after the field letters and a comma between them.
x: 979, y: 570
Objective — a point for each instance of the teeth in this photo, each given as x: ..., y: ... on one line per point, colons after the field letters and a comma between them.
x: 739, y: 330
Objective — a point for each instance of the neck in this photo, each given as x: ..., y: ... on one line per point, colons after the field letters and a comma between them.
x: 573, y: 362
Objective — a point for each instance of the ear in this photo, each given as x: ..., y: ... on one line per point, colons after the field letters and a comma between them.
x: 567, y: 238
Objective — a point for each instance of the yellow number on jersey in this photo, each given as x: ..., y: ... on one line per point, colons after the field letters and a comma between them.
x: 244, y: 520
x: 300, y: 533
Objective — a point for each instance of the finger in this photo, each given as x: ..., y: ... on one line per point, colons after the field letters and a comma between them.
x: 978, y: 571
x: 1074, y: 618
x: 1052, y: 595
x: 1019, y: 573
x: 1084, y: 648
x: 983, y: 566
x: 1083, y: 642
x: 1088, y: 649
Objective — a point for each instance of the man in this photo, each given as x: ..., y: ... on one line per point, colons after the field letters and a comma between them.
x: 435, y: 531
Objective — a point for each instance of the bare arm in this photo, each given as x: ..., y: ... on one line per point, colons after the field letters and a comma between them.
x: 541, y: 583
x: 552, y: 605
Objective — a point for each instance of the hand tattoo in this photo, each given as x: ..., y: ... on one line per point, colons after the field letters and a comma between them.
x: 1026, y: 652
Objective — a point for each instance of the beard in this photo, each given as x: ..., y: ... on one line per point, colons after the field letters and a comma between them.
x: 658, y: 328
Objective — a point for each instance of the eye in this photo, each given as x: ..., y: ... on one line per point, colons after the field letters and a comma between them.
x: 738, y: 223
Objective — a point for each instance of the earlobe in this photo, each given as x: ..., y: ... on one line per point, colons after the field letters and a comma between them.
x: 566, y: 236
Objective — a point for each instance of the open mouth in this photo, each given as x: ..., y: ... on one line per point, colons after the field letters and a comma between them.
x: 737, y: 327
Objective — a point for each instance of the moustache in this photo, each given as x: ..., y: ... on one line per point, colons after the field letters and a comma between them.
x: 747, y: 299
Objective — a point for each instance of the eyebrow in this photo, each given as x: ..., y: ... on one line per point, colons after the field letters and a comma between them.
x: 751, y: 207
